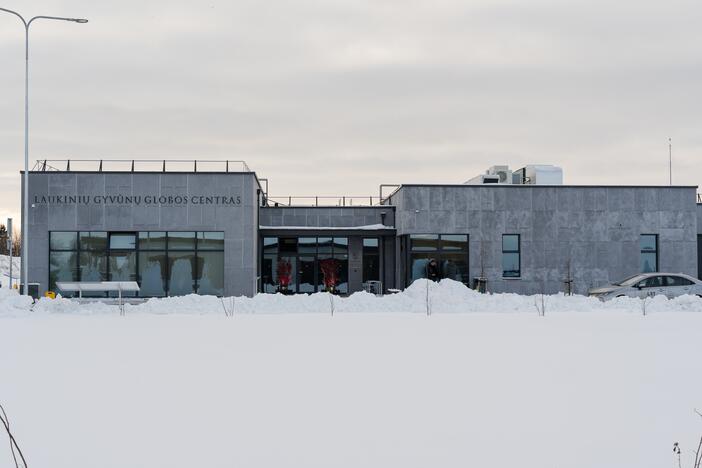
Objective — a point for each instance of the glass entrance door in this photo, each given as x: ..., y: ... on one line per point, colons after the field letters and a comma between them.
x: 306, y: 280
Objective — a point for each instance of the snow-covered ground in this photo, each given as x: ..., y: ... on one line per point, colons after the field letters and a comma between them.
x: 484, y: 381
x: 452, y: 390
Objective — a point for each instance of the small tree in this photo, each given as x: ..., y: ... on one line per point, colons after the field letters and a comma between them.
x: 228, y: 306
x: 481, y: 284
x: 16, y: 243
x: 540, y: 300
x: 427, y: 301
x: 568, y: 281
x: 3, y: 240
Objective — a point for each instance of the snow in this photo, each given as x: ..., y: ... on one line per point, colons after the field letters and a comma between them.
x: 5, y: 270
x: 483, y: 381
x: 424, y: 297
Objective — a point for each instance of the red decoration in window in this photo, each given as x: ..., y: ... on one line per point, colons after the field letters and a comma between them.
x: 330, y: 270
x: 284, y: 271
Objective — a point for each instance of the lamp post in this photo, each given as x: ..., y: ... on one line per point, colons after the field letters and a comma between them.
x: 25, y: 211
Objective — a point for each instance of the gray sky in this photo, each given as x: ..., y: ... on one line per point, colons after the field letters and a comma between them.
x: 334, y: 97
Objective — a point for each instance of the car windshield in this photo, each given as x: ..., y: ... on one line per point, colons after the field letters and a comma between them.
x: 630, y: 281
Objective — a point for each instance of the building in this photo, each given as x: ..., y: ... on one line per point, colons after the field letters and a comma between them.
x: 180, y: 227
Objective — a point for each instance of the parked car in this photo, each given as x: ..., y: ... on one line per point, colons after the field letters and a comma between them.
x: 650, y: 284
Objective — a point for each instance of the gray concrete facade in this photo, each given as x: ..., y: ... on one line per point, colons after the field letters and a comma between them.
x: 597, y: 229
x: 334, y: 216
x: 148, y: 201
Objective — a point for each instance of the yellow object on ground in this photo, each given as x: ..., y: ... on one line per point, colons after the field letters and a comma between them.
x: 50, y: 294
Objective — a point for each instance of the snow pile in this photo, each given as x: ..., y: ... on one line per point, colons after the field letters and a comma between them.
x: 422, y: 296
x: 12, y: 304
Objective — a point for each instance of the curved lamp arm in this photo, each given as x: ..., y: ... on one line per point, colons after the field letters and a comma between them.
x: 59, y: 18
x: 17, y: 15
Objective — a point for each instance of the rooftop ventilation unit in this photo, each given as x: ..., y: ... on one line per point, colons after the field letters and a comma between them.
x: 494, y: 175
x: 533, y: 174
x: 540, y: 174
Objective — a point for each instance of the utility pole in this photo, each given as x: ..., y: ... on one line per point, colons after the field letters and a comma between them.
x: 670, y: 160
x: 25, y: 202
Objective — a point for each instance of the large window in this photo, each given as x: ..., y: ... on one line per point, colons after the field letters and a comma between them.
x: 63, y: 259
x: 511, y: 256
x: 649, y: 252
x: 438, y: 256
x: 163, y: 263
x: 305, y: 264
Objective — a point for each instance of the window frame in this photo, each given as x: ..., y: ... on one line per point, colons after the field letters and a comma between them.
x: 312, y: 250
x: 106, y: 253
x: 657, y: 252
x: 366, y: 254
x: 510, y: 251
x: 437, y: 253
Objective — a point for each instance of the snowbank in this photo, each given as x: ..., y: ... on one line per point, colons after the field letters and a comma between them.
x: 12, y: 304
x: 422, y: 296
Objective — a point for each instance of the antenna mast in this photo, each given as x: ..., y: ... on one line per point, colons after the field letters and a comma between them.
x: 670, y: 160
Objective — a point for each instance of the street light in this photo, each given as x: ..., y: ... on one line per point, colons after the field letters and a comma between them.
x: 25, y: 214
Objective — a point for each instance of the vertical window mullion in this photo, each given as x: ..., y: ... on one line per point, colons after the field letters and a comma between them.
x: 78, y: 251
x: 197, y: 262
x: 168, y: 268
x: 136, y: 258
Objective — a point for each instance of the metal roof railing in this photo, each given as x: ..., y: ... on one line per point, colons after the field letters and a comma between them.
x: 139, y: 165
x: 326, y: 201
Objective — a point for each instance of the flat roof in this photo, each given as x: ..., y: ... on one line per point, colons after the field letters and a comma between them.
x: 550, y: 186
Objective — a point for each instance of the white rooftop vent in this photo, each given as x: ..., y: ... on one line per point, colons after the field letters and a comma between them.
x: 540, y: 174
x: 494, y: 175
x: 533, y: 174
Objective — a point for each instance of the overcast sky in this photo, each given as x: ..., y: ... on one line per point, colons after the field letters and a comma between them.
x: 335, y: 97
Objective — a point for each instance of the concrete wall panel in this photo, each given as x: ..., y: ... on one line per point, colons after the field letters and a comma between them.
x: 239, y: 221
x: 596, y: 228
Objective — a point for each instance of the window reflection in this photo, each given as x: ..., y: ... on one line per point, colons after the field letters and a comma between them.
x: 511, y: 256
x: 162, y: 263
x: 438, y: 256
x: 152, y: 273
x: 649, y: 252
x: 305, y: 264
x: 210, y: 275
x: 62, y: 267
x: 181, y: 279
